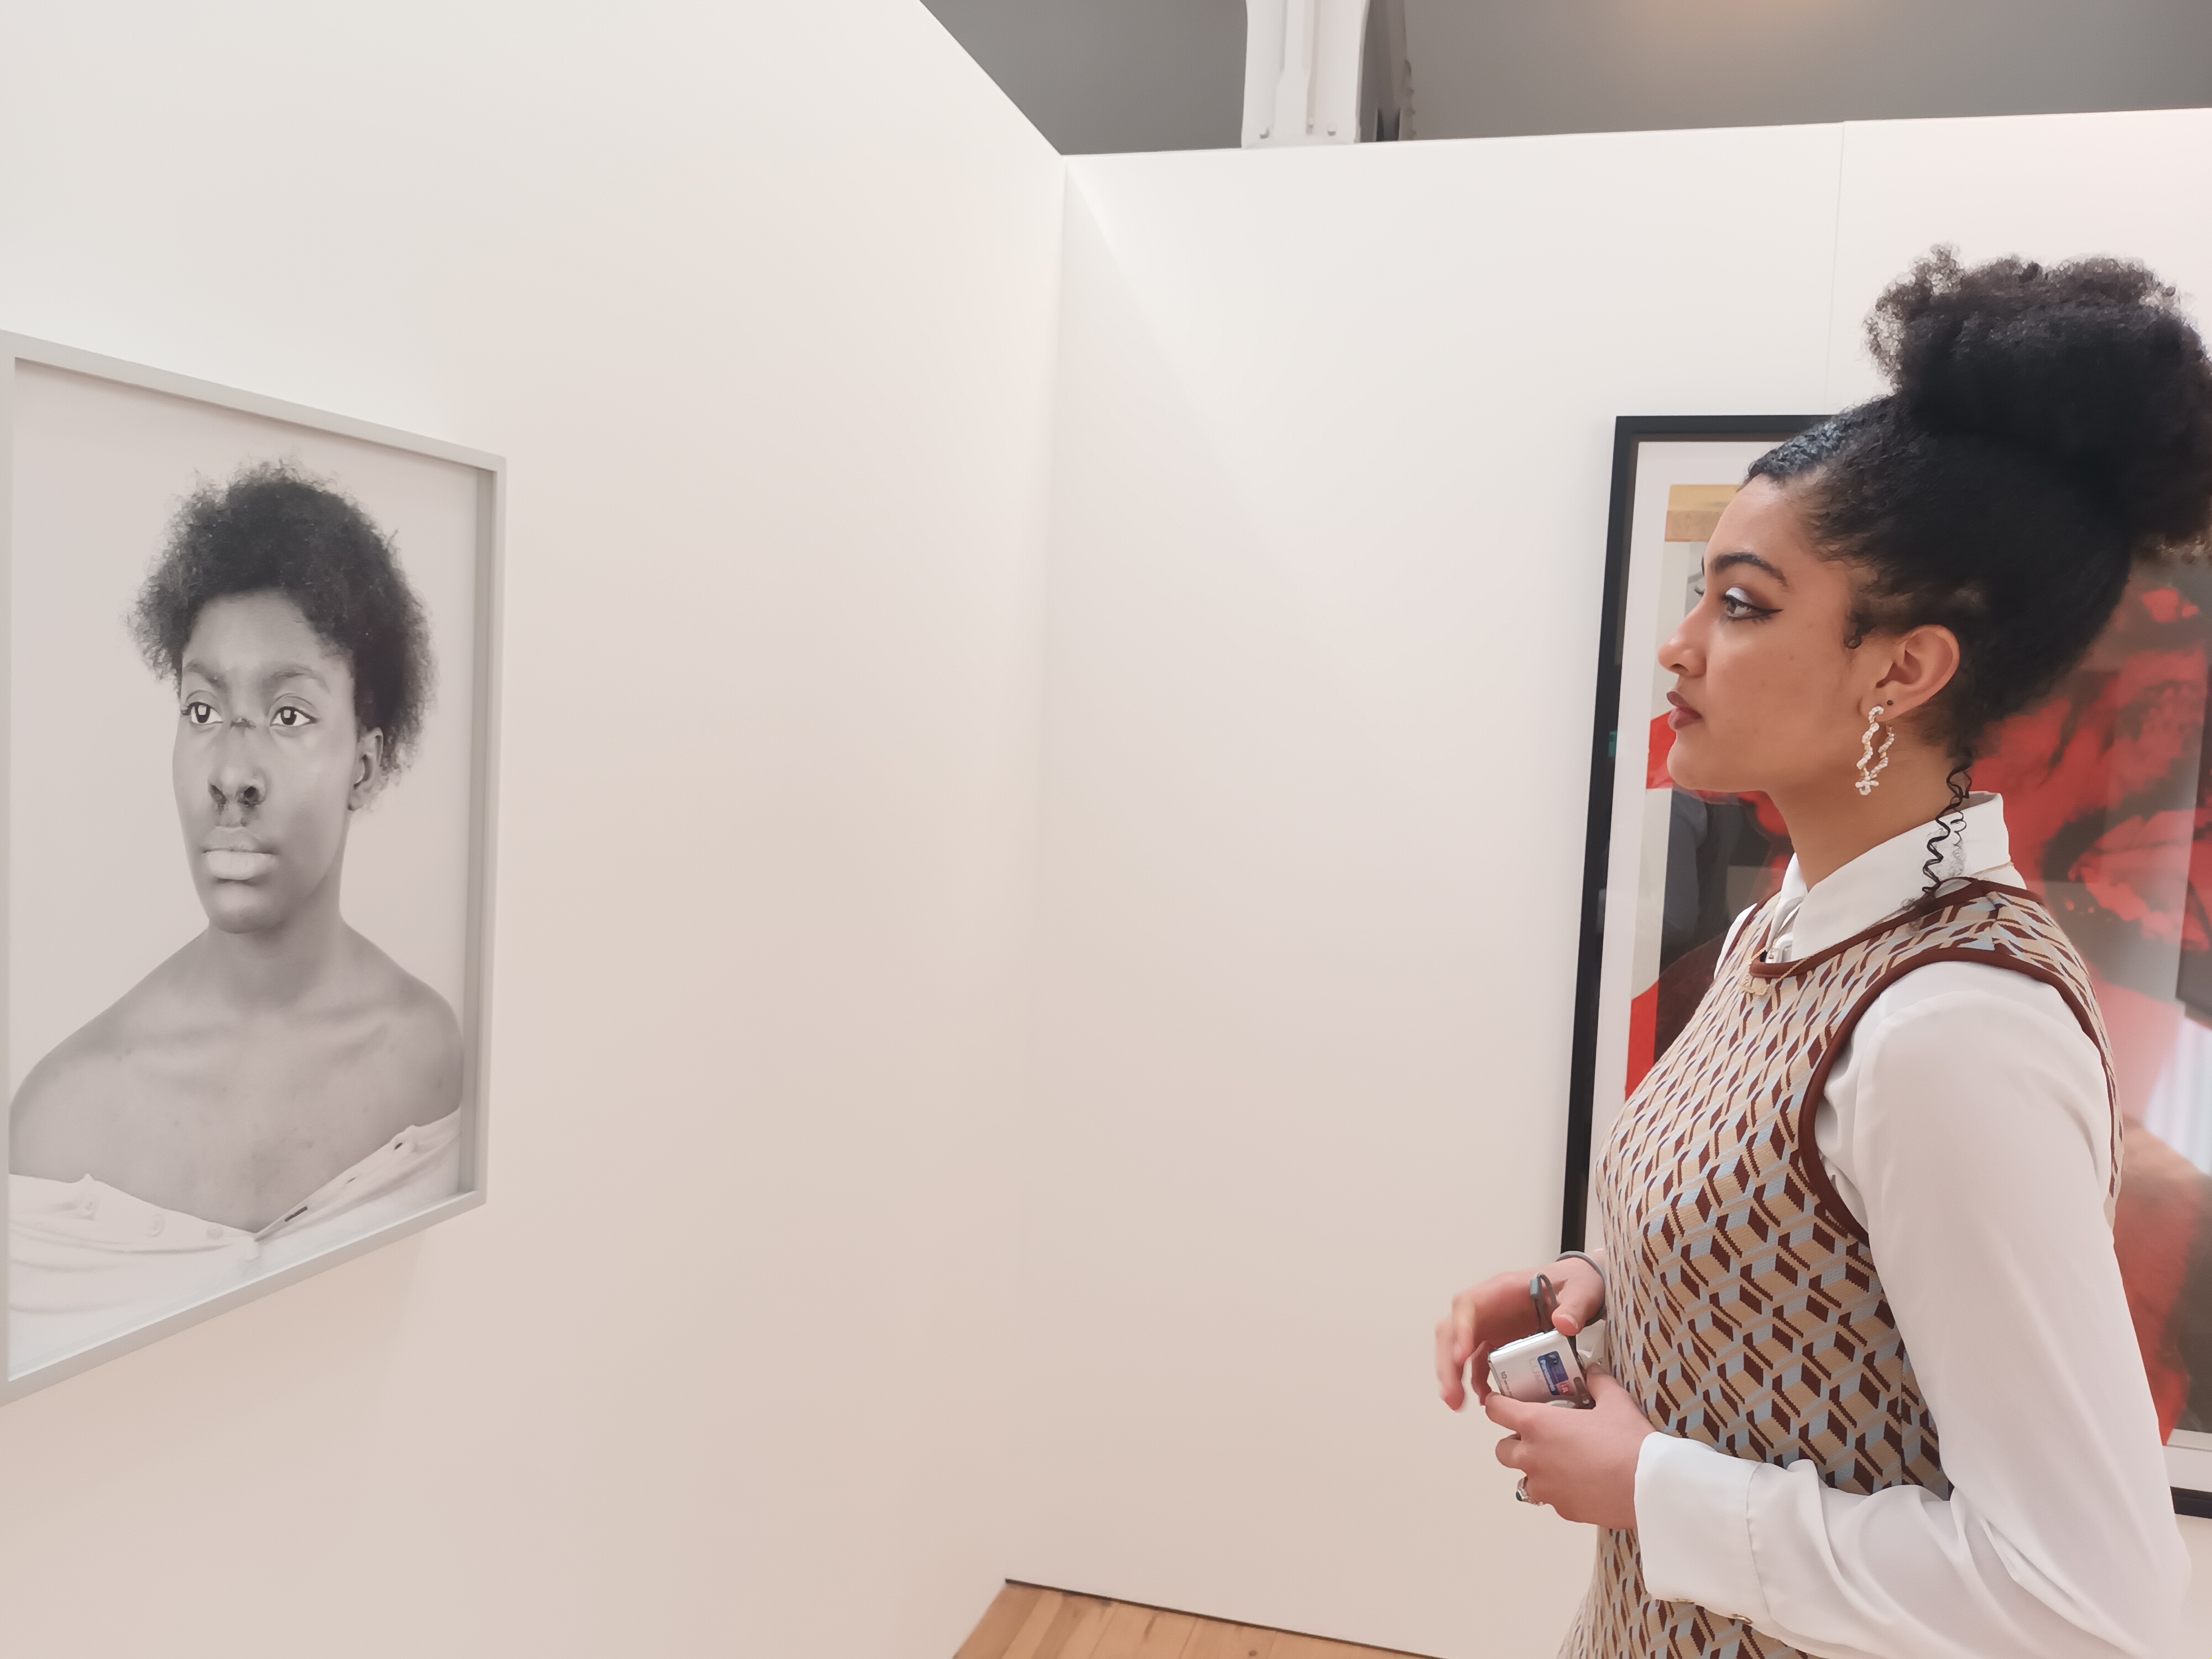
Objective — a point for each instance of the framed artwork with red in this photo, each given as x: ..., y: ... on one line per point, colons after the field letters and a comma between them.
x: 2108, y: 785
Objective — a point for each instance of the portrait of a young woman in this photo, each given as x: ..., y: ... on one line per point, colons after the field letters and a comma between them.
x: 279, y: 1082
x: 1873, y: 1390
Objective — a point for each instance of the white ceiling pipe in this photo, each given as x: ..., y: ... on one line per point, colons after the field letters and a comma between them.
x: 1302, y: 63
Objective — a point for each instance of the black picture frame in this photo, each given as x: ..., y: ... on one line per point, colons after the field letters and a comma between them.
x: 1629, y: 434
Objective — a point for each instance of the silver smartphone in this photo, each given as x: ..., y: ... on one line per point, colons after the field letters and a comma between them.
x: 1543, y: 1369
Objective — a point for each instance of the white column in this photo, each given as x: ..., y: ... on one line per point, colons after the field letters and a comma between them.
x: 1302, y: 63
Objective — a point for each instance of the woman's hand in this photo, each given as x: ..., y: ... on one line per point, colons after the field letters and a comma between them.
x: 1582, y: 1463
x: 1498, y: 1311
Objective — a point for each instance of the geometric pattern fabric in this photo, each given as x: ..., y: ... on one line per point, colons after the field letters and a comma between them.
x: 1744, y: 1307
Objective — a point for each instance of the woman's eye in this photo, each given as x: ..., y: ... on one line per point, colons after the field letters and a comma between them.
x: 290, y: 719
x: 200, y: 711
x: 1736, y: 605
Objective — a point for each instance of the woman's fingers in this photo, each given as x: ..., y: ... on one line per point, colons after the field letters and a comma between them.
x: 1449, y: 1365
x: 1514, y: 1416
x: 1456, y: 1344
x: 1465, y: 1319
x: 1609, y: 1400
x: 1581, y: 1464
x: 1498, y: 1310
x: 1581, y: 1292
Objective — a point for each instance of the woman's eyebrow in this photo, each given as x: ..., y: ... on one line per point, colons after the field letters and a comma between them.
x: 200, y: 670
x: 1721, y: 561
x: 279, y: 672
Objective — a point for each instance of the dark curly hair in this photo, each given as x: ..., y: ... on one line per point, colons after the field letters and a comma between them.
x: 2049, y: 428
x: 274, y: 528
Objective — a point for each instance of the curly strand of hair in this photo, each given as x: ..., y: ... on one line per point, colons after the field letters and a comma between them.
x: 1960, y: 776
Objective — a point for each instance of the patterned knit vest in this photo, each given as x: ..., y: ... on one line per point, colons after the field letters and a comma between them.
x: 1744, y: 1306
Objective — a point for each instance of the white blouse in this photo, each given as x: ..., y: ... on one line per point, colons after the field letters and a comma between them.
x: 88, y: 1261
x: 1967, y: 1127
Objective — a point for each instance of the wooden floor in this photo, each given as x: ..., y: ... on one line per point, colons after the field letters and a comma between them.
x: 1027, y: 1622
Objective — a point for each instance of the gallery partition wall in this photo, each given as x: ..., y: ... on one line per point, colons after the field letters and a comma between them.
x: 1334, y: 455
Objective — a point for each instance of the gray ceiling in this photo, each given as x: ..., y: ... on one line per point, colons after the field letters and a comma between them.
x: 1099, y: 76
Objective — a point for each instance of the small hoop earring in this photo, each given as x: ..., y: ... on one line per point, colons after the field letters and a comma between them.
x: 1870, y: 763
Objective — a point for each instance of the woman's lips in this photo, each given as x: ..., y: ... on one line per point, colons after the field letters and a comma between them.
x: 1680, y: 714
x: 237, y: 864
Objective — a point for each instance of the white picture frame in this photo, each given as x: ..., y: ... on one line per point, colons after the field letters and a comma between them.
x: 31, y: 370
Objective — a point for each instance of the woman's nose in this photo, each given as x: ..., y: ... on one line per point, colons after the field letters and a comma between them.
x: 1681, y: 653
x: 239, y: 779
x: 245, y: 793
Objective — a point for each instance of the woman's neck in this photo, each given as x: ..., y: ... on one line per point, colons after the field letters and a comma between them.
x: 1833, y: 824
x: 275, y: 968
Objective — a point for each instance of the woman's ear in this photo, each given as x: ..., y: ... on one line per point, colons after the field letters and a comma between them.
x: 1922, y: 661
x: 368, y: 770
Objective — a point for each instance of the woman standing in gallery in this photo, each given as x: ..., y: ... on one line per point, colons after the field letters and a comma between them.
x: 1877, y: 1392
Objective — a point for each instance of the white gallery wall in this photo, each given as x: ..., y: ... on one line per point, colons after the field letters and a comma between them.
x: 1330, y: 479
x: 721, y: 1366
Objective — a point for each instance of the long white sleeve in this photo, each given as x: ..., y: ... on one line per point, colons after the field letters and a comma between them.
x: 1970, y: 1137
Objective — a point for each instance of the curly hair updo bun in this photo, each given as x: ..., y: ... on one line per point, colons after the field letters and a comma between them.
x: 2049, y: 427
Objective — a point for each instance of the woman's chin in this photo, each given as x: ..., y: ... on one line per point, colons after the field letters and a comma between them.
x: 242, y: 910
x: 1684, y: 769
x: 1697, y: 774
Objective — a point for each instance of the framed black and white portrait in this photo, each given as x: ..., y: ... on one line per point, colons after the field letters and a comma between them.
x: 250, y: 716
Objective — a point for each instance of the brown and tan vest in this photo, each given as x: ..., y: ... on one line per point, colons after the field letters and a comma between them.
x: 1744, y: 1306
